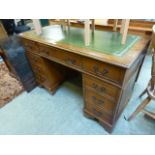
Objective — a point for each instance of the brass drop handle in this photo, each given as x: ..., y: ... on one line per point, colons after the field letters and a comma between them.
x: 71, y: 61
x: 97, y: 113
x: 105, y: 71
x: 46, y: 52
x: 96, y: 70
x: 97, y: 101
x: 98, y: 88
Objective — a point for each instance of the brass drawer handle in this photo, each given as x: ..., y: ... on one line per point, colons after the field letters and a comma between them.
x: 103, y: 73
x: 97, y: 101
x: 98, y: 89
x: 46, y: 52
x: 97, y: 113
x: 71, y: 61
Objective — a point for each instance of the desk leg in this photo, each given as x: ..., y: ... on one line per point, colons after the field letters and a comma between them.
x: 115, y: 25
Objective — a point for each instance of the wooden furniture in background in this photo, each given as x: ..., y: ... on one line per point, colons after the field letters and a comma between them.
x: 108, y: 80
x: 135, y: 25
x: 150, y: 90
x: 3, y: 33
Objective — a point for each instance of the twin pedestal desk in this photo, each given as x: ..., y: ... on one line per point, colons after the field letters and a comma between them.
x: 108, y: 78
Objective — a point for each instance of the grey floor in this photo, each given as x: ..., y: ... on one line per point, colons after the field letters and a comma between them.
x: 39, y: 112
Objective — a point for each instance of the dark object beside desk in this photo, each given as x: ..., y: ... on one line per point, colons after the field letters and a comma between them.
x: 108, y: 80
x: 14, y: 55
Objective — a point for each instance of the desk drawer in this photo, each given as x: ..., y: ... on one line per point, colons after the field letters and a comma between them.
x: 34, y: 59
x: 30, y: 45
x: 99, y: 101
x: 101, y: 87
x: 50, y: 52
x: 98, y: 113
x: 73, y: 60
x: 104, y: 70
x: 61, y: 55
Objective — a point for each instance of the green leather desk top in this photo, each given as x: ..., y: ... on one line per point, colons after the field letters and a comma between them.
x: 102, y: 41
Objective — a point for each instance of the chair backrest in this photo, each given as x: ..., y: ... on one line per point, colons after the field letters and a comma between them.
x: 153, y: 60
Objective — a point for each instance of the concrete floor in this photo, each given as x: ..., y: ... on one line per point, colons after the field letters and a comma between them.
x: 39, y: 112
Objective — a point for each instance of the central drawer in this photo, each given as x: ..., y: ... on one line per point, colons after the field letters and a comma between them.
x: 68, y: 58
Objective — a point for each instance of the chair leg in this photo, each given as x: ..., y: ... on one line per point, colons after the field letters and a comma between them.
x: 37, y: 26
x: 115, y: 25
x: 87, y: 32
x: 125, y: 31
x: 93, y: 25
x: 122, y: 26
x: 140, y: 108
x: 142, y: 93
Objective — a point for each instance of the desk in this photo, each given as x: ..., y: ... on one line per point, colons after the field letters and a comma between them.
x: 108, y: 77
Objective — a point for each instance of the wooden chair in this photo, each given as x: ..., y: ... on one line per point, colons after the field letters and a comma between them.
x: 150, y: 90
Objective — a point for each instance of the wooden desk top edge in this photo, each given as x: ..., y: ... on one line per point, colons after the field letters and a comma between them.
x: 124, y: 61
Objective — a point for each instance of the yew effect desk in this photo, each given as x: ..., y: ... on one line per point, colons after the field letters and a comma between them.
x: 109, y: 69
